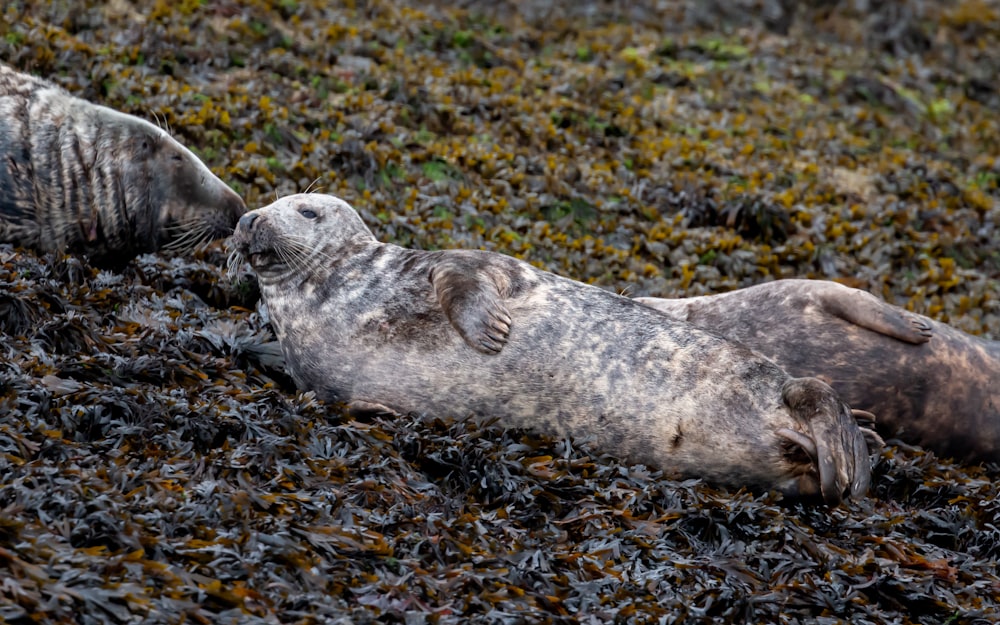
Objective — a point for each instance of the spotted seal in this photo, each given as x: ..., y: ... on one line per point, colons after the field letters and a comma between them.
x: 929, y: 383
x: 80, y: 177
x: 458, y: 332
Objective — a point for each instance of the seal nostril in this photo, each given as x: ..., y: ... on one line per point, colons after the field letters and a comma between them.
x: 246, y: 221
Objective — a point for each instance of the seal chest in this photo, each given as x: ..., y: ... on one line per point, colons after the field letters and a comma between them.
x: 80, y: 177
x: 452, y: 333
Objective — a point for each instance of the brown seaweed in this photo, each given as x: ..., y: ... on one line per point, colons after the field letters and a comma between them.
x: 157, y: 466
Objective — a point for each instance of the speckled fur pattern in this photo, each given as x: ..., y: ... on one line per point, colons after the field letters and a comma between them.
x: 80, y: 177
x: 459, y: 332
x: 932, y: 386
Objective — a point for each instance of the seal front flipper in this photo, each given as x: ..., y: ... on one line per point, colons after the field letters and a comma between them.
x: 473, y: 300
x: 864, y: 309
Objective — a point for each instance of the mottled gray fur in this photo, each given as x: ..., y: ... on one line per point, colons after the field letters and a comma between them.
x: 80, y: 177
x: 452, y: 333
x: 928, y: 383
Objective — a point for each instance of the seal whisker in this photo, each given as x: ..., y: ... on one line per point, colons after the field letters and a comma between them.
x: 182, y: 225
x: 199, y: 243
x: 160, y: 121
x: 305, y: 253
x: 198, y: 238
x: 233, y: 262
x: 303, y: 250
x: 293, y: 259
x: 186, y: 233
x: 285, y: 249
x: 190, y: 240
x: 310, y: 251
x: 321, y: 255
x: 177, y: 234
x: 188, y: 222
x: 202, y: 241
x: 310, y: 188
x: 307, y: 247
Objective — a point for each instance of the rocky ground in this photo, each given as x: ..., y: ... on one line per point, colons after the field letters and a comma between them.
x: 157, y: 467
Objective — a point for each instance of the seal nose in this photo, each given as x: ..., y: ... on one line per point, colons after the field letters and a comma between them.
x: 246, y: 221
x: 237, y: 207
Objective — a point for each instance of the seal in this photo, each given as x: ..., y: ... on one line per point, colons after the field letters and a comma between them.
x: 929, y: 383
x: 459, y: 332
x: 80, y: 177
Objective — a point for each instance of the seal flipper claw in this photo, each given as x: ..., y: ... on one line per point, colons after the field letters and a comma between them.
x: 862, y: 448
x: 873, y: 442
x: 473, y: 302
x: 864, y: 418
x: 864, y: 309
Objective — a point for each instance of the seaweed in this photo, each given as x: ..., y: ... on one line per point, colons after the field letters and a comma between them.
x: 157, y: 465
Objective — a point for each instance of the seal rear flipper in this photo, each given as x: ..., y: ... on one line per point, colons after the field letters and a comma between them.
x: 473, y: 301
x: 866, y: 423
x: 365, y: 410
x: 800, y: 452
x: 864, y: 309
x: 834, y: 441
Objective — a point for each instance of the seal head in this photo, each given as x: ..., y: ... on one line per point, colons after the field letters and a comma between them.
x: 80, y: 177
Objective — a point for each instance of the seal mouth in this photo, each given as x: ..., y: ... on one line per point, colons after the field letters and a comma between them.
x: 245, y: 244
x: 262, y: 259
x: 258, y: 258
x: 263, y: 262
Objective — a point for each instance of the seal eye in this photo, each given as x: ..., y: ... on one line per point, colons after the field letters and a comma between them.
x: 308, y: 214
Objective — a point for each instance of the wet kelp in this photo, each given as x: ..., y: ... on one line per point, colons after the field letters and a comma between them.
x: 157, y: 466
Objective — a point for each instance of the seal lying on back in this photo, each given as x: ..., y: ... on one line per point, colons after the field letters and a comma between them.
x: 451, y: 333
x: 929, y: 384
x: 79, y: 177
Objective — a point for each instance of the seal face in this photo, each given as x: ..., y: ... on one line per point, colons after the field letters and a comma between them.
x: 930, y: 384
x: 452, y: 333
x: 79, y: 177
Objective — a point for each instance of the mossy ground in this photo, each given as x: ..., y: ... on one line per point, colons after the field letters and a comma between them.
x: 156, y: 467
